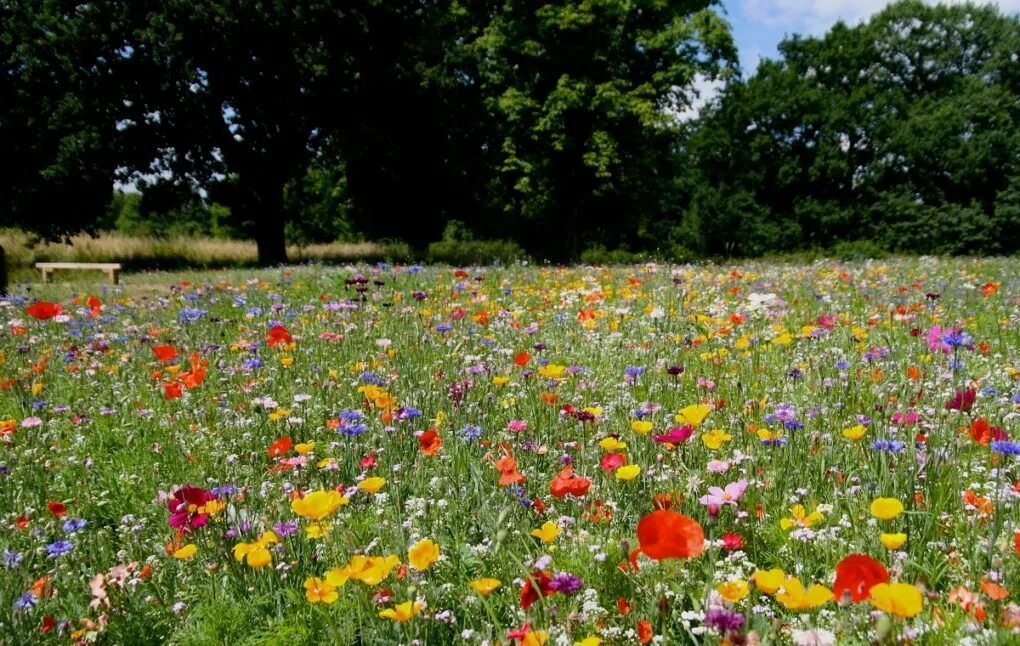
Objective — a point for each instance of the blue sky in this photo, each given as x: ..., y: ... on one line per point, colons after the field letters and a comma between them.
x: 759, y: 25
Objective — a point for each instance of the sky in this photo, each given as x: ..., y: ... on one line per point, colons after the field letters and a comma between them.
x: 759, y: 25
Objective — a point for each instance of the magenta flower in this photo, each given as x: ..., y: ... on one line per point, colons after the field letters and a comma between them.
x: 676, y: 435
x: 187, y: 508
x: 717, y: 497
x: 935, y: 342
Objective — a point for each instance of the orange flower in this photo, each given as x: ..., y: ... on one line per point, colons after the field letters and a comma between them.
x: 665, y: 534
x: 566, y: 483
x: 429, y: 442
x: 522, y: 359
x: 507, y: 465
x: 994, y: 591
x: 981, y: 505
x: 164, y: 353
x: 644, y: 631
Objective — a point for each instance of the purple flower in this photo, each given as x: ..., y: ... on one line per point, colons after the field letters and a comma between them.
x: 717, y: 497
x: 26, y: 601
x: 12, y: 559
x: 286, y: 528
x: 724, y: 620
x: 565, y: 583
x: 59, y: 547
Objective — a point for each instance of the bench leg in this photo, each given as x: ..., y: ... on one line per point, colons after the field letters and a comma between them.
x: 46, y: 275
x: 115, y: 276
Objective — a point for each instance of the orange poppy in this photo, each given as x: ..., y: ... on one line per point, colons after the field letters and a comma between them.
x: 980, y: 431
x: 566, y: 483
x: 644, y: 631
x: 429, y: 442
x: 43, y: 310
x: 507, y: 465
x: 522, y: 359
x: 665, y: 534
x: 164, y: 353
x: 981, y: 505
x: 277, y: 335
x: 994, y: 591
x: 856, y: 575
x: 172, y: 390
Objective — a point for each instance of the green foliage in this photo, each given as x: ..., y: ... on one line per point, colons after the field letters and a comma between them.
x: 459, y: 247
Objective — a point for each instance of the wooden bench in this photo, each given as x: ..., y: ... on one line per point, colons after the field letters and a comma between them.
x: 112, y: 269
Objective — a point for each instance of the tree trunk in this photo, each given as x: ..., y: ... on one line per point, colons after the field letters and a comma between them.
x: 262, y: 202
x: 3, y: 272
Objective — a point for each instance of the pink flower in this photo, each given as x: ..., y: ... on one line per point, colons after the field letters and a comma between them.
x: 517, y: 425
x: 906, y: 419
x: 675, y: 435
x: 934, y: 337
x: 717, y: 497
x: 718, y: 466
x: 186, y: 507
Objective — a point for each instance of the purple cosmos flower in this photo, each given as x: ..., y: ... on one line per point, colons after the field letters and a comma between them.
x: 717, y: 497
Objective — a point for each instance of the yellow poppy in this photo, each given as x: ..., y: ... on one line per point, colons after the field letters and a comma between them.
x: 423, y: 554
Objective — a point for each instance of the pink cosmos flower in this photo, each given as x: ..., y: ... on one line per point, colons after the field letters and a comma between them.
x: 675, y: 435
x: 717, y: 497
x: 186, y: 507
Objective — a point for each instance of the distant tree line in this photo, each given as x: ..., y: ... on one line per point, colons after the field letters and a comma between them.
x: 552, y: 126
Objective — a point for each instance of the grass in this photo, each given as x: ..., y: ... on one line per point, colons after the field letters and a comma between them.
x: 553, y: 366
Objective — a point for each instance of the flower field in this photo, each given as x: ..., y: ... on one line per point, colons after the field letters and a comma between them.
x: 762, y: 453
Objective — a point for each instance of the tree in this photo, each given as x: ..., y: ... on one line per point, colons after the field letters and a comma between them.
x: 581, y: 94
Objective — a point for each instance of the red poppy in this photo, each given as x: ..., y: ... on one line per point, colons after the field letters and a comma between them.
x: 277, y: 335
x: 367, y: 462
x: 56, y: 508
x: 48, y: 622
x: 529, y: 594
x: 623, y: 606
x: 665, y: 534
x: 95, y: 306
x: 663, y: 501
x: 522, y: 359
x: 644, y: 631
x: 165, y: 353
x: 460, y: 273
x: 856, y: 575
x: 172, y: 390
x: 566, y: 483
x: 196, y: 375
x: 280, y: 446
x: 43, y: 310
x: 429, y: 442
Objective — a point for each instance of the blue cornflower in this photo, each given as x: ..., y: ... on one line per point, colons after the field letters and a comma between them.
x: 59, y: 547
x: 75, y: 525
x: 633, y: 371
x: 26, y: 601
x: 443, y: 327
x: 470, y: 433
x: 352, y: 430
x: 892, y: 446
x: 1005, y: 447
x: 251, y: 364
x: 350, y: 415
x: 190, y: 314
x: 842, y: 364
x: 12, y: 559
x: 370, y: 379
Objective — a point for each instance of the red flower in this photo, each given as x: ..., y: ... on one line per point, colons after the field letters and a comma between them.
x: 367, y: 462
x: 665, y: 534
x: 57, y: 508
x: 522, y: 359
x: 429, y: 442
x: 280, y: 447
x: 172, y: 390
x: 612, y: 461
x: 164, y: 353
x: 732, y: 541
x: 856, y: 575
x: 277, y: 335
x: 644, y: 631
x: 566, y: 483
x: 43, y: 310
x: 529, y: 594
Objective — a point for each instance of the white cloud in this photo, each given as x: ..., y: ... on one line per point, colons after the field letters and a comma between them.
x: 704, y: 90
x: 814, y: 17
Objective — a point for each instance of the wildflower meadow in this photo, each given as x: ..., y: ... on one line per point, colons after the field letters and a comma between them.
x: 397, y: 454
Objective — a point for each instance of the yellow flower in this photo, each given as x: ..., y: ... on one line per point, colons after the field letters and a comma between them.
x: 548, y: 532
x: 628, y: 472
x: 186, y: 552
x: 801, y: 518
x: 286, y: 361
x: 535, y: 638
x: 733, y: 591
x: 886, y: 508
x: 372, y: 485
x: 693, y: 415
x: 766, y: 435
x: 402, y: 612
x: 279, y: 414
x: 325, y: 462
x: 318, y: 504
x: 715, y: 438
x: 893, y: 541
x: 551, y: 370
x: 500, y: 381
x: 612, y: 444
x: 854, y: 432
x: 589, y: 641
x: 795, y: 597
x: 371, y: 570
x: 256, y: 554
x: 320, y: 591
x: 641, y: 427
x: 317, y: 530
x: 768, y: 581
x: 304, y: 448
x: 899, y: 599
x: 485, y: 586
x: 424, y: 553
